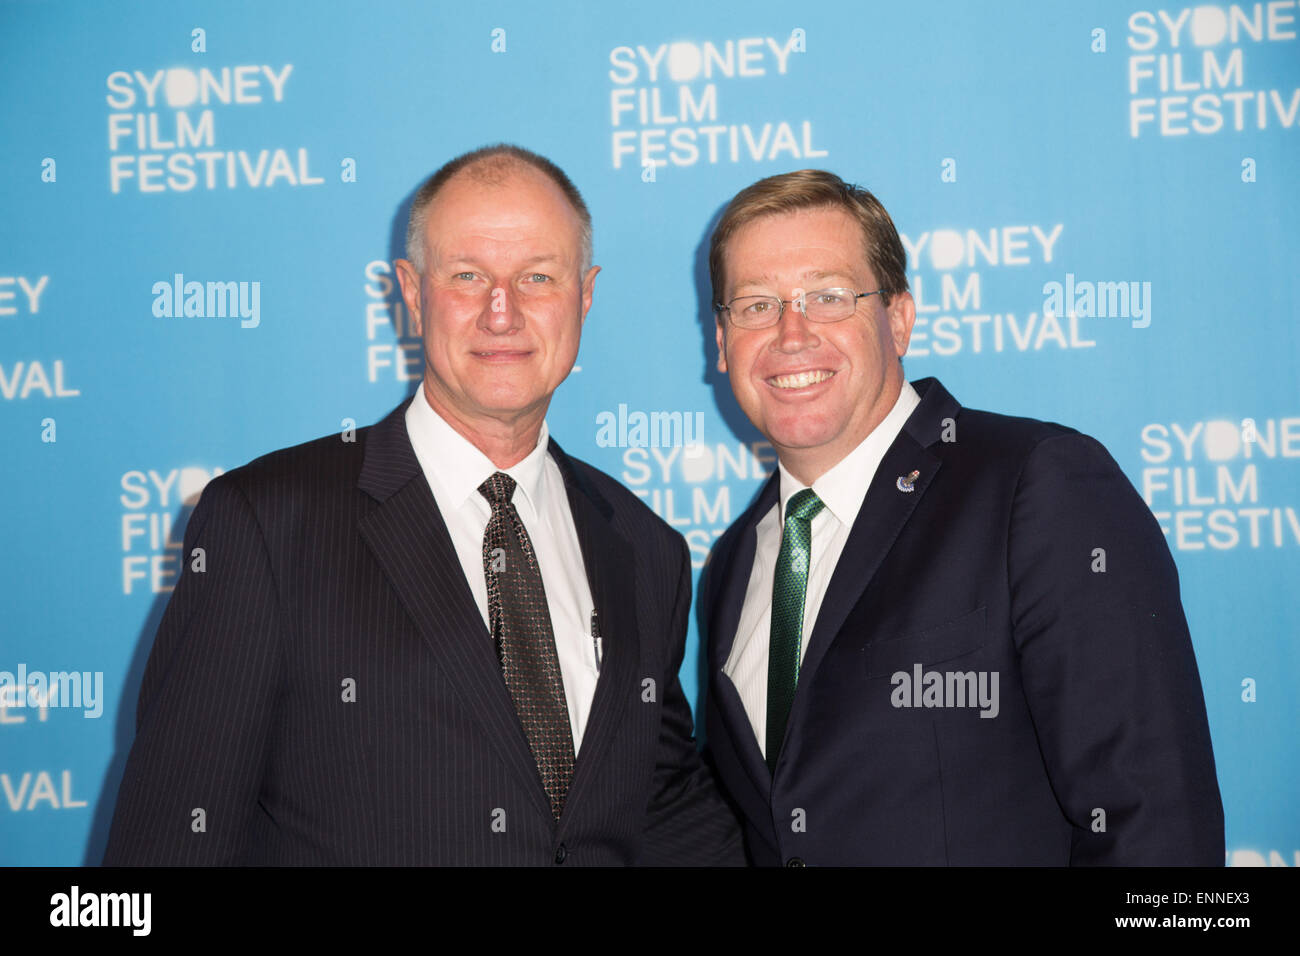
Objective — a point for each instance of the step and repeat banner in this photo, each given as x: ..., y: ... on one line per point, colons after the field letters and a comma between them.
x: 201, y: 203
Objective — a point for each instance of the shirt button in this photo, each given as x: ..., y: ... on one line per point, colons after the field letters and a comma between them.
x: 560, y: 853
x: 795, y: 861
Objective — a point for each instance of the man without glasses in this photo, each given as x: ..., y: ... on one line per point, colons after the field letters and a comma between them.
x: 446, y: 642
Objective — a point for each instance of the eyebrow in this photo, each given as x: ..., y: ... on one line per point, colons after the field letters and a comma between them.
x: 819, y: 274
x: 813, y: 275
x: 465, y: 258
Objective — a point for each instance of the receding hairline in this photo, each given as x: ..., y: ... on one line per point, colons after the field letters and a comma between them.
x: 498, y: 165
x: 495, y: 169
x: 502, y: 177
x: 501, y: 172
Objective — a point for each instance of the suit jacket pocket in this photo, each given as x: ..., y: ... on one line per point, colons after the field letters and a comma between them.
x: 934, y: 645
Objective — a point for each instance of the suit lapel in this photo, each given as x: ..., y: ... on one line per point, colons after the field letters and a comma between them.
x: 409, y: 538
x: 885, y: 510
x: 728, y: 600
x: 610, y: 563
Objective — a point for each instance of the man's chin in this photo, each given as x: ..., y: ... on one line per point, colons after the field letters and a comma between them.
x: 506, y: 402
x: 800, y: 439
x: 495, y: 402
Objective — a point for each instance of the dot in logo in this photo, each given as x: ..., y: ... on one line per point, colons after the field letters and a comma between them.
x: 684, y: 61
x: 697, y: 463
x: 1222, y: 440
x: 946, y: 249
x: 1209, y: 26
x: 181, y: 87
x: 192, y: 482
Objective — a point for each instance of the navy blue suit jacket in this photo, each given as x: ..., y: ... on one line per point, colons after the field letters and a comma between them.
x: 1099, y: 752
x: 325, y: 690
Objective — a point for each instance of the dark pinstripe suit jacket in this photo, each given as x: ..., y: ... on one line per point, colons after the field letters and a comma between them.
x: 329, y: 567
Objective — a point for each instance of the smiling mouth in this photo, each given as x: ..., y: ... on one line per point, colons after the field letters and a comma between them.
x: 800, y: 379
x: 501, y: 353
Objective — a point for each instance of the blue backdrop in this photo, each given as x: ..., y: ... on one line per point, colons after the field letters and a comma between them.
x: 1098, y: 202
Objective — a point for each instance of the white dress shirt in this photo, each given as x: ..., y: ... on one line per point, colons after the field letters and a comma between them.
x: 455, y: 468
x: 842, y: 489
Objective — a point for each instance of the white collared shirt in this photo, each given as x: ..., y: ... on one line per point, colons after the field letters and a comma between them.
x: 842, y: 489
x: 454, y: 469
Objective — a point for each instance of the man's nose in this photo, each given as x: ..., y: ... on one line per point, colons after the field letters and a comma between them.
x: 501, y: 311
x: 793, y: 329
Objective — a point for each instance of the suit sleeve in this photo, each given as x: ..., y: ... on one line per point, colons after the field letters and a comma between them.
x: 687, y: 823
x: 190, y: 790
x: 1107, y: 664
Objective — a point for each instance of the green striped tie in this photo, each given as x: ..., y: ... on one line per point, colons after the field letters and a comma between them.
x: 789, y: 591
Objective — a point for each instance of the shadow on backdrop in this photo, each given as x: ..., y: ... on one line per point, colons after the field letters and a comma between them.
x: 737, y: 424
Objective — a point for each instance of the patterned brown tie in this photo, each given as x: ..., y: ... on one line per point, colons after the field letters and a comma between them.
x: 521, y: 626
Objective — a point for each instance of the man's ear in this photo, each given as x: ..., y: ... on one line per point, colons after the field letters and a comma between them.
x: 720, y: 331
x: 409, y: 279
x: 902, y: 316
x: 588, y: 287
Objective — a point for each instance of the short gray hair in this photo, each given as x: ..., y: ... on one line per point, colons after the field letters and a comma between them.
x: 492, y: 164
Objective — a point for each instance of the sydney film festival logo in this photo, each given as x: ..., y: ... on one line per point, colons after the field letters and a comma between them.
x: 667, y: 103
x: 956, y: 314
x: 1189, y: 69
x: 164, y: 133
x: 1222, y: 485
x: 156, y: 505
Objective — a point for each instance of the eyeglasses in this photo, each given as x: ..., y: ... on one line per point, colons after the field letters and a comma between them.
x: 823, y: 305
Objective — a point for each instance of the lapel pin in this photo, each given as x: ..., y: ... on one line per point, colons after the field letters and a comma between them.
x: 907, y: 483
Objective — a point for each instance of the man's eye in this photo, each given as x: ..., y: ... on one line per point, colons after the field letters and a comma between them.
x: 758, y: 308
x: 464, y: 275
x: 828, y: 298
x: 539, y: 277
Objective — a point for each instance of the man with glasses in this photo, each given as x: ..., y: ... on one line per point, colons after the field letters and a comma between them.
x: 939, y: 635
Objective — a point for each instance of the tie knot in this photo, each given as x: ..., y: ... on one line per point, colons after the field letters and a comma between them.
x: 498, y: 489
x: 803, y: 505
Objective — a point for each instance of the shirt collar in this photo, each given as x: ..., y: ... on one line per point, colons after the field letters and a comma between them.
x: 844, y: 486
x: 462, y: 467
